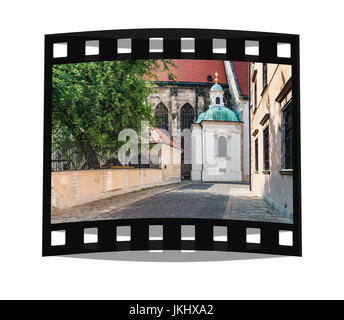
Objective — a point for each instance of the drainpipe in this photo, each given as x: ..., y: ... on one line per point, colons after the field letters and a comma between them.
x: 202, y: 152
x: 196, y: 107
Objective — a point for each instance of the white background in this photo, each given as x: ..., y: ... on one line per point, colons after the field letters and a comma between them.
x: 25, y: 274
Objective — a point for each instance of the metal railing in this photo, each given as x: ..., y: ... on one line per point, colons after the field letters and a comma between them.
x: 70, y: 157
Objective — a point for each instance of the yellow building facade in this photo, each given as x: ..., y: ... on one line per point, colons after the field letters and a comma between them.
x: 271, y: 134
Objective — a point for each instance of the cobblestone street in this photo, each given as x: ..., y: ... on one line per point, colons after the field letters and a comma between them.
x: 181, y: 200
x: 244, y: 205
x: 203, y: 200
x: 92, y: 210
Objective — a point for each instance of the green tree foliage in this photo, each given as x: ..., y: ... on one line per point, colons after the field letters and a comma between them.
x: 92, y: 102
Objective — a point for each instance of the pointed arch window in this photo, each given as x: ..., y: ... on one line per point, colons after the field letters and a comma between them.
x: 187, y: 116
x: 186, y: 119
x: 161, y: 114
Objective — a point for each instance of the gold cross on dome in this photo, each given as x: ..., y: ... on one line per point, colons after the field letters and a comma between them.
x: 216, y: 74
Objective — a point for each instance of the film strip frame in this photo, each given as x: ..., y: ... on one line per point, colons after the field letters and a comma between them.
x: 204, y: 228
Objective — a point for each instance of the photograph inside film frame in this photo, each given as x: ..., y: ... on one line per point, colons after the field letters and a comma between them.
x: 136, y: 139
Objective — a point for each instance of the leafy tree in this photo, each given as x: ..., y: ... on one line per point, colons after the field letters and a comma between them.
x: 92, y: 102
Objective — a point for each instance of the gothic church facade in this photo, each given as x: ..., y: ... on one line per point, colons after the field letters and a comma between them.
x: 178, y: 102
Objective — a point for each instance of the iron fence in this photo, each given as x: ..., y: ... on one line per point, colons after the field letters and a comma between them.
x: 70, y: 157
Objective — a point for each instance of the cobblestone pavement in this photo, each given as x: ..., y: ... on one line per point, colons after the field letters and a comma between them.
x: 92, y: 210
x: 244, y: 205
x: 202, y: 200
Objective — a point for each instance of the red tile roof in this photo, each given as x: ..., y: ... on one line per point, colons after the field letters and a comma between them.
x: 196, y: 71
x: 241, y: 72
x: 160, y: 137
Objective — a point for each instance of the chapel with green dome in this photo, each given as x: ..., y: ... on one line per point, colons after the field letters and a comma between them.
x: 217, y: 111
x: 217, y: 151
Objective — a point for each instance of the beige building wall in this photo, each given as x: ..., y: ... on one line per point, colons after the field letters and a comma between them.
x: 90, y: 182
x: 134, y: 177
x: 170, y: 163
x: 275, y: 185
x: 61, y: 187
x: 72, y: 188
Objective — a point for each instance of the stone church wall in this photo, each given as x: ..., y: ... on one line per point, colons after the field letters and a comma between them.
x: 175, y: 97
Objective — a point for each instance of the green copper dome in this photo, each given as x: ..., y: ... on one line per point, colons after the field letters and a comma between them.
x: 219, y: 114
x: 216, y: 86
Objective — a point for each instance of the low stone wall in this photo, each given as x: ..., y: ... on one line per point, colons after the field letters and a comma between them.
x: 72, y: 188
